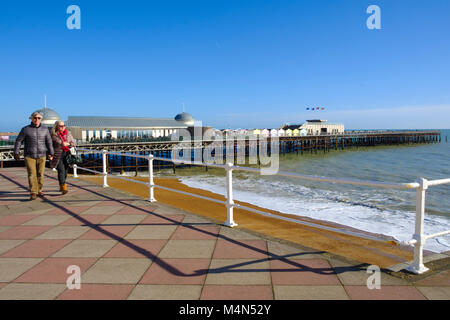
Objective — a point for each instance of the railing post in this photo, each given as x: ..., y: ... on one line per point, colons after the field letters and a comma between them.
x: 75, y: 175
x: 151, y: 184
x: 105, y: 170
x: 417, y: 266
x: 230, y: 203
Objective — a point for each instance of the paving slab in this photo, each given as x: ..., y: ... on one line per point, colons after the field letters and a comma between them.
x: 123, y: 220
x: 157, y: 219
x: 23, y: 232
x: 352, y: 274
x: 55, y: 270
x: 238, y: 292
x: 85, y: 249
x: 137, y: 209
x: 102, y: 232
x: 15, y: 220
x: 166, y: 292
x: 29, y: 211
x: 117, y: 270
x: 11, y: 268
x: 196, y: 233
x: 226, y: 249
x: 36, y: 249
x: 151, y: 232
x: 188, y: 249
x: 4, y: 228
x: 63, y: 232
x: 166, y: 210
x: 97, y: 292
x: 237, y: 234
x: 439, y: 279
x: 110, y: 210
x: 435, y: 293
x: 384, y: 293
x: 304, y: 272
x: 176, y: 271
x: 309, y: 293
x: 277, y: 249
x: 239, y: 272
x: 47, y: 220
x: 33, y: 291
x: 6, y: 245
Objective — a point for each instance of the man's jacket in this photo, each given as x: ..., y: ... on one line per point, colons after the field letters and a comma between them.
x: 37, y: 141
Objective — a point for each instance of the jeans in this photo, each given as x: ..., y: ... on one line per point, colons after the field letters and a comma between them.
x: 35, y: 169
x: 63, y: 168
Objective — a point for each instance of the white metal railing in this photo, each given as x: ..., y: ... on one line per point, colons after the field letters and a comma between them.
x: 418, y: 240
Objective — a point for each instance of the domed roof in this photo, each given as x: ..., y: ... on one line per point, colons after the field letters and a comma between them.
x: 49, y: 116
x: 185, y: 117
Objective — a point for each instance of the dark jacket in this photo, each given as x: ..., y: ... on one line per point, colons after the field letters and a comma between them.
x: 37, y: 142
x: 57, y: 146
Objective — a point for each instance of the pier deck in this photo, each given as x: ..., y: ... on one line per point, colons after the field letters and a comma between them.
x: 299, y: 144
x: 128, y: 248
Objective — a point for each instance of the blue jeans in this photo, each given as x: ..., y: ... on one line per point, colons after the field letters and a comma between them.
x: 63, y: 168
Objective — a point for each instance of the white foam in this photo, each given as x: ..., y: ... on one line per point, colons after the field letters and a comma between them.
x: 353, y: 209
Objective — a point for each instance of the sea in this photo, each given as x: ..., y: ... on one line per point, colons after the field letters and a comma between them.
x: 390, y: 212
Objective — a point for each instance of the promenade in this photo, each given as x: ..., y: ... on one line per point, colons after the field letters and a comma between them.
x: 129, y: 248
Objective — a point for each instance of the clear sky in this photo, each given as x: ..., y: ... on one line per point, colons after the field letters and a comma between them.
x: 233, y: 63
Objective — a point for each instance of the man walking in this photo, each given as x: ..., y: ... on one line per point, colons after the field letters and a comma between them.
x: 37, y: 145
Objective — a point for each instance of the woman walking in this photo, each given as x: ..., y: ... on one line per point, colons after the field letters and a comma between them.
x: 62, y: 142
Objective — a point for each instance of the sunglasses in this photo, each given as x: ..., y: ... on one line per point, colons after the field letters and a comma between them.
x: 37, y: 118
x: 62, y: 126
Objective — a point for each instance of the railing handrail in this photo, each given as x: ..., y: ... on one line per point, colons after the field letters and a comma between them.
x: 391, y: 185
x: 419, y: 238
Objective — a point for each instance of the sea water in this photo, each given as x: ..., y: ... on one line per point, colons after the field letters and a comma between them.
x: 377, y: 210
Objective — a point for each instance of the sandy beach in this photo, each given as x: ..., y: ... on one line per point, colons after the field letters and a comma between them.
x: 381, y: 253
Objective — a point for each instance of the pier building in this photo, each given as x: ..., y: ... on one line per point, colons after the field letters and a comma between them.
x: 315, y: 127
x: 86, y: 128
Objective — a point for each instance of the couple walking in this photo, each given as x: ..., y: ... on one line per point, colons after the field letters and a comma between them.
x: 40, y: 144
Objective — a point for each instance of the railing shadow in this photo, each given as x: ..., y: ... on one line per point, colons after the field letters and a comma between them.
x: 269, y: 256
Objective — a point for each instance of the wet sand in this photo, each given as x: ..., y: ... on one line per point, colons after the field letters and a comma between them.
x: 381, y: 253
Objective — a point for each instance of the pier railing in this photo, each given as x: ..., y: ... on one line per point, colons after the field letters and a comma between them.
x: 418, y: 239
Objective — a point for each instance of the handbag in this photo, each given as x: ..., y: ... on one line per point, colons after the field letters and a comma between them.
x: 73, y: 158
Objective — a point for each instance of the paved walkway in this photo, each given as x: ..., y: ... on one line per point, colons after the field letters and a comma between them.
x: 128, y: 248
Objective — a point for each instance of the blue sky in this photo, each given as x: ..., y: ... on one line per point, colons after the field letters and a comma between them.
x: 233, y: 63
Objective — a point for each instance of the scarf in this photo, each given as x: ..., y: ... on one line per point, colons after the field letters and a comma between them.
x: 63, y: 137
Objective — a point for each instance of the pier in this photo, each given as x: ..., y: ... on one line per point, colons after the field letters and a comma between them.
x: 286, y: 144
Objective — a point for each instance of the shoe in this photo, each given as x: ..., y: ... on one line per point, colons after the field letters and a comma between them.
x: 40, y: 194
x: 64, y: 189
x: 33, y: 196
